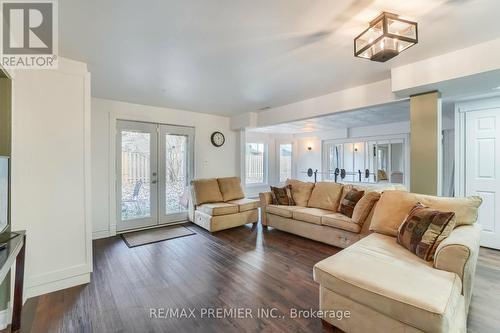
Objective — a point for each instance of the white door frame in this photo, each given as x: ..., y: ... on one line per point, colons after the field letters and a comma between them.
x: 175, y: 130
x: 152, y: 220
x: 461, y: 110
x: 460, y: 136
x: 114, y: 116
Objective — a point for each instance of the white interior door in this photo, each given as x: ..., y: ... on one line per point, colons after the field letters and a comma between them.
x: 136, y: 175
x: 176, y: 156
x: 482, y: 153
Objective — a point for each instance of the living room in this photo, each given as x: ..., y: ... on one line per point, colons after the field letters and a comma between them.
x: 250, y: 166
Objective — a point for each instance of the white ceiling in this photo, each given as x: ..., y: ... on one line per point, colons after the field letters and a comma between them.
x: 384, y: 114
x: 230, y: 57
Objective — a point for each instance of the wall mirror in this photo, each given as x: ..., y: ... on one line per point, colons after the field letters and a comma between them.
x: 373, y: 160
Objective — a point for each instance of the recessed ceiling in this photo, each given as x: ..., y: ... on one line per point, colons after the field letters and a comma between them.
x: 384, y: 114
x: 232, y: 57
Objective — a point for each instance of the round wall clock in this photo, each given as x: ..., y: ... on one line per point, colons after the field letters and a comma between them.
x: 217, y: 139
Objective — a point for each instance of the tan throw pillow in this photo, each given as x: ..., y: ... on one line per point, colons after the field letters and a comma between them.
x: 364, y: 207
x: 301, y: 191
x: 325, y: 195
x: 230, y: 188
x: 423, y: 229
x: 282, y: 195
x: 349, y: 202
x: 206, y: 190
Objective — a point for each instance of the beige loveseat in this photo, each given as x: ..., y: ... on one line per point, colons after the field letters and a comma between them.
x: 219, y: 203
x: 316, y: 215
x: 386, y: 288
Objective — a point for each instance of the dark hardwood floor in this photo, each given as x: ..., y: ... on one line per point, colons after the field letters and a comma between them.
x: 238, y: 268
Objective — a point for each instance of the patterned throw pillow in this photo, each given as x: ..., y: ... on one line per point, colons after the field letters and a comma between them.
x: 423, y: 229
x: 282, y: 195
x: 349, y: 202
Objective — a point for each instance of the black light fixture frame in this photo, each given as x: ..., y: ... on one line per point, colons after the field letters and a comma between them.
x: 385, y: 33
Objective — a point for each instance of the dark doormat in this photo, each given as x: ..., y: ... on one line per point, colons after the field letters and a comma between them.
x: 143, y: 237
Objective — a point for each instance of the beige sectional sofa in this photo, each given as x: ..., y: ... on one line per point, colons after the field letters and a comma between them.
x: 315, y: 216
x: 386, y: 288
x: 219, y: 203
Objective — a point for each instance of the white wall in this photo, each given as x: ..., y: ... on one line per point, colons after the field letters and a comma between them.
x: 209, y: 160
x: 423, y: 75
x: 376, y: 93
x: 51, y: 175
x: 305, y: 159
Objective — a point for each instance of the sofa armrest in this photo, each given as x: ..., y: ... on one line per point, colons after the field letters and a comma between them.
x: 458, y: 254
x: 265, y: 199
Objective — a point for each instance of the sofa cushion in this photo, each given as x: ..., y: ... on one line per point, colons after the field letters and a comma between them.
x: 230, y: 187
x: 340, y: 221
x: 283, y: 211
x: 282, y: 195
x: 423, y: 229
x: 465, y: 209
x: 325, y: 195
x: 206, y: 190
x: 218, y: 208
x: 311, y: 215
x: 382, y: 275
x: 364, y: 207
x: 394, y: 206
x: 245, y: 204
x: 301, y: 191
x: 347, y: 204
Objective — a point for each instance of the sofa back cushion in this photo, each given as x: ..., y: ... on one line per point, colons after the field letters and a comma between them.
x: 230, y: 187
x: 301, y: 191
x: 325, y: 195
x: 206, y: 190
x: 423, y: 230
x: 394, y: 206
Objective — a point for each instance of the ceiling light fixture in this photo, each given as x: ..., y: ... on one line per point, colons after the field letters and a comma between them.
x: 387, y: 36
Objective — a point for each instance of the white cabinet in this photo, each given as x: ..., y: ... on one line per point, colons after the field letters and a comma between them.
x: 51, y: 174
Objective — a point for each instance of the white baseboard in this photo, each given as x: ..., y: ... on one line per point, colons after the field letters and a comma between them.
x: 6, y: 317
x: 101, y: 234
x: 57, y: 285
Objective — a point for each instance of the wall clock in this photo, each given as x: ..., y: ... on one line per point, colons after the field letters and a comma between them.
x: 217, y: 139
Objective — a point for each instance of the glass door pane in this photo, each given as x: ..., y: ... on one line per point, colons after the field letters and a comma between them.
x: 176, y: 199
x: 176, y: 171
x: 136, y: 170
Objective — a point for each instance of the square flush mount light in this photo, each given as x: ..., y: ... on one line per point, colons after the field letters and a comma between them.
x: 387, y: 36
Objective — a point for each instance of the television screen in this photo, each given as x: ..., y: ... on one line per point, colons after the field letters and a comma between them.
x: 4, y: 193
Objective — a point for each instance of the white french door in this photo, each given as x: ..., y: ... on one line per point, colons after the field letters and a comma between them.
x: 482, y: 173
x: 154, y: 167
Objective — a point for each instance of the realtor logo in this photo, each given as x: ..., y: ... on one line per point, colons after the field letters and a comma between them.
x: 29, y: 34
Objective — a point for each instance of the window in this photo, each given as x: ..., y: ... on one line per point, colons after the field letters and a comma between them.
x: 285, y: 162
x: 255, y: 162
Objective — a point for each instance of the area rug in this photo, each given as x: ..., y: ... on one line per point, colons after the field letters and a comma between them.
x: 143, y: 237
